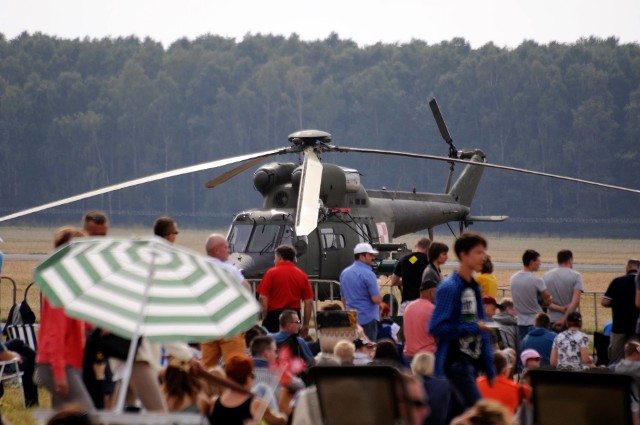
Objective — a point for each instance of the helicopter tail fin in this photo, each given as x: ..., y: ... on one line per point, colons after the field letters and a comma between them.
x: 464, y: 188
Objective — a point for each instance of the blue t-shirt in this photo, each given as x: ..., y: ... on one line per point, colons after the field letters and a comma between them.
x: 358, y: 284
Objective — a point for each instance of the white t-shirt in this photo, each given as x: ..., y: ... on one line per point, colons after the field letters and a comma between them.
x: 569, y: 345
x: 525, y: 287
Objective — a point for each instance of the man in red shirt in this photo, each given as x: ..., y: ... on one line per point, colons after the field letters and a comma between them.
x: 282, y: 288
x: 416, y: 322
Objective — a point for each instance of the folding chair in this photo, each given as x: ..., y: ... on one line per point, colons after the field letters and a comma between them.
x: 593, y: 397
x: 359, y: 394
x: 8, y: 373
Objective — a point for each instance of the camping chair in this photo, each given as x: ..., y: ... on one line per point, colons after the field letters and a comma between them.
x: 8, y: 373
x: 27, y: 333
x: 569, y: 397
x: 358, y: 394
x: 21, y: 323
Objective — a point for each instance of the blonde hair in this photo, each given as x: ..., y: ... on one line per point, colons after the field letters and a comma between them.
x: 492, y: 412
x: 423, y: 363
x: 344, y: 350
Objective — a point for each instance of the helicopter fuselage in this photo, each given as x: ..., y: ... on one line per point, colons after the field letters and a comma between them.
x: 348, y: 214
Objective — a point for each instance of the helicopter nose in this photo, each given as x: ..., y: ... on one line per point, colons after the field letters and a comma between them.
x: 243, y: 262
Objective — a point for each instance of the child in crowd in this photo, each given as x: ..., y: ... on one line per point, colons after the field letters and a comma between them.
x: 571, y: 348
x: 530, y: 359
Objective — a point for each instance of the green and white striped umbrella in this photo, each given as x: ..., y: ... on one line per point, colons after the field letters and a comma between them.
x: 146, y: 287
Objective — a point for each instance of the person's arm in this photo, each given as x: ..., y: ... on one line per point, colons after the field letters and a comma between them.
x: 572, y: 306
x: 307, y: 355
x: 258, y: 406
x: 56, y: 330
x: 7, y: 355
x: 344, y: 302
x: 575, y: 302
x: 308, y: 309
x: 442, y: 324
x: 396, y: 276
x: 264, y: 303
x: 607, y: 302
x: 247, y: 285
x: 374, y: 290
x: 585, y: 357
x: 553, y: 359
x: 547, y: 299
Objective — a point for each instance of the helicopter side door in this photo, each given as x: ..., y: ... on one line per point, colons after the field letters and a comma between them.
x: 332, y: 249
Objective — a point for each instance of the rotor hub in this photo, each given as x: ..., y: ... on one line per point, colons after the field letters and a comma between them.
x: 305, y: 138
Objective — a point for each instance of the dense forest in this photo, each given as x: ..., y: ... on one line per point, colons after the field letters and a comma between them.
x: 81, y: 114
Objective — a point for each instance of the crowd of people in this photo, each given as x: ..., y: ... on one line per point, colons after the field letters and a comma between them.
x: 460, y: 354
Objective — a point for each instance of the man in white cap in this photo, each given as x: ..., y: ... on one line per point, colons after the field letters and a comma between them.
x: 359, y: 289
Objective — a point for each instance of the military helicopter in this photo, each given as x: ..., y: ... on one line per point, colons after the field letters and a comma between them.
x: 324, y: 210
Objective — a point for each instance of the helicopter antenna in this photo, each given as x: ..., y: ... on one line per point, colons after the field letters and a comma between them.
x: 444, y: 131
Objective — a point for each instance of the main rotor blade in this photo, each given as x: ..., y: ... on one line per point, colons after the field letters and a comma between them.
x: 308, y: 194
x: 148, y: 179
x: 484, y: 164
x: 442, y: 126
x: 234, y: 172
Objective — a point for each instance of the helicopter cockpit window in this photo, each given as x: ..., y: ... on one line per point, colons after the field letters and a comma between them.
x: 265, y: 238
x: 239, y: 237
x: 286, y: 236
x: 330, y: 239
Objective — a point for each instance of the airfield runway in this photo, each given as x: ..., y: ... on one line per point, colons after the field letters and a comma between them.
x: 449, y: 265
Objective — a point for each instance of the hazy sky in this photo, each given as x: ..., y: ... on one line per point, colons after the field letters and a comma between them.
x: 505, y: 22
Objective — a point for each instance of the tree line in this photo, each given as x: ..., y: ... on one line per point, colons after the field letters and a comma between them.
x: 80, y: 114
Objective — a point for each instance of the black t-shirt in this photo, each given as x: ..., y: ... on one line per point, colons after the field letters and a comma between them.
x: 622, y: 293
x: 410, y: 269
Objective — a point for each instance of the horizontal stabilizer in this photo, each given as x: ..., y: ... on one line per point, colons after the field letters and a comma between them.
x: 486, y: 218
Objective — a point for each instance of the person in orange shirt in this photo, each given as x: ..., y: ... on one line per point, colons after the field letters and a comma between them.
x: 504, y: 390
x: 61, y: 348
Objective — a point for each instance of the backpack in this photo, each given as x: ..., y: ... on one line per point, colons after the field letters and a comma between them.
x: 20, y: 314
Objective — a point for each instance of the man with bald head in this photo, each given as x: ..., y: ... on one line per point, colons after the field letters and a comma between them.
x: 218, y: 249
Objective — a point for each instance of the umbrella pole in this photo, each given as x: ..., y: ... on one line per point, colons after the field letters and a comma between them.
x: 128, y: 369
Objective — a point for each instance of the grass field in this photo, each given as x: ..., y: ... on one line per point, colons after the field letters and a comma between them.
x: 20, y: 240
x: 502, y: 249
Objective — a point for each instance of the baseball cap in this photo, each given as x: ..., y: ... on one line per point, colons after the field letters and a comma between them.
x: 364, y: 248
x: 487, y: 299
x: 529, y: 354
